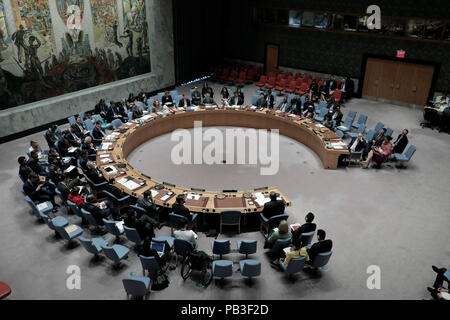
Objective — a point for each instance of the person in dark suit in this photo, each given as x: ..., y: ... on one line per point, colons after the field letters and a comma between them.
x: 35, y: 165
x: 84, y: 159
x: 145, y: 201
x: 348, y: 86
x: 97, y: 132
x: 79, y: 127
x: 273, y: 207
x: 143, y: 225
x: 357, y: 144
x: 167, y: 99
x: 65, y: 185
x: 208, y: 99
x: 51, y: 136
x: 205, y: 89
x: 269, y: 99
x: 378, y: 139
x: 73, y: 138
x: 296, y: 106
x: 319, y: 247
x: 236, y: 100
x: 63, y: 145
x: 337, y: 115
x: 331, y: 84
x: 309, y: 112
x: 94, y: 174
x: 240, y: 94
x: 55, y: 169
x: 101, y: 108
x: 137, y: 111
x: 261, y: 102
x: 142, y: 96
x: 39, y: 191
x: 185, y: 102
x: 24, y: 169
x: 401, y: 142
x: 179, y: 208
x: 309, y: 226
x: 93, y: 207
x: 89, y: 147
x: 323, y: 90
x: 196, y: 97
x: 284, y: 106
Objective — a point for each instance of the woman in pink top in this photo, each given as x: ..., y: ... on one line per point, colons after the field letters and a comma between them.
x: 379, y: 155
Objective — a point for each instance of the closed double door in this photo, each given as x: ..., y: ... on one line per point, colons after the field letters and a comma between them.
x: 398, y: 81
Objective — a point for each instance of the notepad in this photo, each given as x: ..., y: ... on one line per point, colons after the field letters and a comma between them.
x: 105, y: 155
x: 70, y: 228
x: 70, y: 168
x: 105, y: 146
x: 193, y: 196
x: 165, y: 197
x: 119, y: 225
x: 42, y: 206
x: 154, y: 193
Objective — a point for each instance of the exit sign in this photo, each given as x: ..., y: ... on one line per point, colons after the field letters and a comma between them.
x: 401, y: 53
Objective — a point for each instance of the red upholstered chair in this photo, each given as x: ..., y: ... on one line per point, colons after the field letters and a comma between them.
x: 298, y: 75
x: 250, y: 73
x: 258, y: 72
x: 242, y: 77
x: 303, y: 89
x: 318, y: 79
x: 298, y: 83
x: 271, y: 83
x: 224, y: 75
x: 288, y: 74
x: 233, y: 75
x: 262, y: 81
x: 271, y: 74
x: 279, y: 78
x: 282, y: 86
x: 291, y: 88
x: 289, y: 78
x: 5, y: 290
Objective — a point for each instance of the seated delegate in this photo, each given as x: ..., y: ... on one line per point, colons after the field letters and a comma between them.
x: 379, y: 155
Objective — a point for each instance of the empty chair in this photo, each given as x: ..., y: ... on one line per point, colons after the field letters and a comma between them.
x: 361, y: 129
x: 169, y: 241
x: 369, y: 136
x: 378, y: 127
x: 41, y: 208
x: 160, y: 95
x: 58, y: 221
x: 150, y: 264
x: 89, y: 124
x: 250, y: 268
x: 116, y: 253
x: 136, y: 286
x: 246, y: 246
x: 322, y: 104
x: 93, y: 246
x: 174, y: 94
x: 222, y: 269
x: 112, y: 228
x: 69, y: 232
x: 345, y: 127
x: 321, y: 115
x: 182, y: 248
x: 230, y: 218
x: 74, y: 208
x: 272, y: 222
x: 321, y: 259
x: 352, y: 115
x: 71, y: 120
x: 116, y: 123
x: 403, y: 158
x: 361, y: 121
x: 294, y: 266
x: 220, y: 247
x: 132, y: 235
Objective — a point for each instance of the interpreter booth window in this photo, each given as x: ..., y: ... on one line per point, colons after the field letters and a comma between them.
x: 321, y: 20
x: 350, y: 23
x: 294, y: 18
x: 393, y: 27
x: 308, y: 19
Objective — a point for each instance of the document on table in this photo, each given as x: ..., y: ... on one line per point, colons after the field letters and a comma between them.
x: 112, y: 170
x: 261, y: 199
x: 148, y: 116
x: 106, y: 160
x: 339, y: 145
x: 105, y: 146
x: 70, y: 168
x: 129, y: 184
x: 165, y: 197
x: 154, y: 193
x: 193, y: 196
x: 106, y: 155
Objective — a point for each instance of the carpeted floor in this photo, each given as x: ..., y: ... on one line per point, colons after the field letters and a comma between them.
x: 395, y: 219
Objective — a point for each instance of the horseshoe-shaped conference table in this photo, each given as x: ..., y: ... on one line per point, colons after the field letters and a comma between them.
x: 115, y: 148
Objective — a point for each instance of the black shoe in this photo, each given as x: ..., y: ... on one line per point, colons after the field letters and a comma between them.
x: 435, y: 269
x: 57, y: 205
x: 431, y: 290
x: 54, y: 210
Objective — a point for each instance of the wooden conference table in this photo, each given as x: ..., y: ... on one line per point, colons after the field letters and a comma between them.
x: 112, y: 154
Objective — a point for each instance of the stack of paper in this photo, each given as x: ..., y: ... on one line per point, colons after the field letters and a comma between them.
x: 339, y: 145
x: 112, y: 171
x: 154, y: 193
x: 165, y: 197
x: 193, y: 196
x: 105, y: 146
x: 105, y: 160
x: 71, y: 149
x: 105, y: 155
x: 261, y: 199
x: 119, y: 225
x: 129, y: 184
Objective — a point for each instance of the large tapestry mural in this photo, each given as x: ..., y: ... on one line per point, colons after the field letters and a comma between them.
x: 52, y: 47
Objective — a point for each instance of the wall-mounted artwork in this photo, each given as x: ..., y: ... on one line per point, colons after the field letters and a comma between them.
x: 53, y: 47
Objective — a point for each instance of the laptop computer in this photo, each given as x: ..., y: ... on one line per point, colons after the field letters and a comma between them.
x: 158, y: 247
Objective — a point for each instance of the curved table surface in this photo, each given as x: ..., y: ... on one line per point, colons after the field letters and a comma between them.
x: 117, y: 146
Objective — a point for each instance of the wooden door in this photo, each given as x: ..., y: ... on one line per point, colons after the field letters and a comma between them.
x: 421, y: 85
x: 404, y: 83
x: 271, y: 63
x: 387, y: 82
x: 372, y: 77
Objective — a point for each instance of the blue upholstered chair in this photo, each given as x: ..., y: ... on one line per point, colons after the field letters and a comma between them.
x: 116, y: 123
x: 294, y: 266
x: 222, y: 269
x: 250, y: 268
x: 306, y: 238
x: 279, y: 245
x: 176, y: 221
x: 378, y: 127
x: 169, y: 241
x: 160, y: 95
x: 116, y: 253
x: 346, y: 125
x: 272, y: 222
x: 389, y: 132
x: 369, y: 136
x: 137, y: 286
x: 220, y: 247
x: 230, y: 218
x: 96, y: 186
x: 118, y: 202
x: 321, y: 115
x: 150, y: 264
x: 132, y: 235
x: 140, y: 211
x: 255, y: 98
x: 403, y: 158
x: 321, y: 259
x: 93, y: 246
x: 69, y: 233
x: 74, y: 208
x: 360, y: 129
x: 340, y: 134
x: 39, y: 209
x: 111, y: 227
x: 71, y: 120
x: 246, y: 246
x: 361, y: 120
